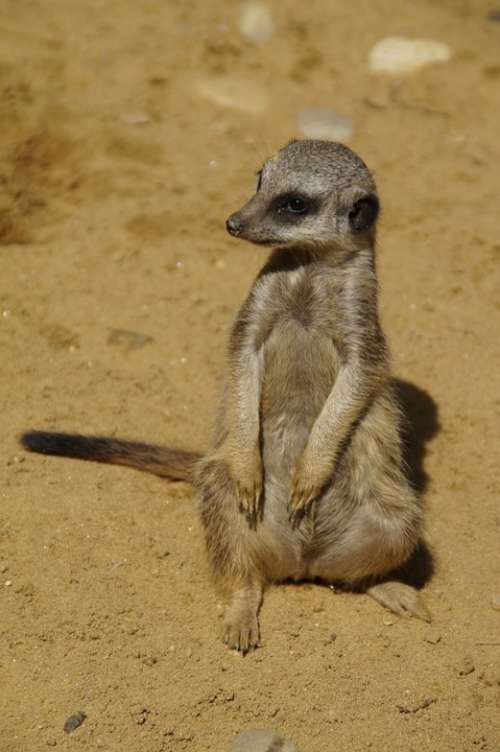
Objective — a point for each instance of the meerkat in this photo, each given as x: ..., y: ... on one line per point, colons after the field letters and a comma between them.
x: 305, y: 478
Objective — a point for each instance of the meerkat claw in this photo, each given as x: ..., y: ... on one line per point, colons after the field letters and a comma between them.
x: 242, y: 636
x: 250, y: 503
x: 299, y: 507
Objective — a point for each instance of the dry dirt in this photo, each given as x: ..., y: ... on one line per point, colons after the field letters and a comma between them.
x: 116, y: 178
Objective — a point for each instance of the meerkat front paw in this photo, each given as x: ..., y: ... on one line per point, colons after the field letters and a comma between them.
x: 301, y: 500
x: 307, y: 485
x: 247, y: 475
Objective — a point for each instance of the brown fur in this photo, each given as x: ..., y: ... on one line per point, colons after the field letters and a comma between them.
x: 305, y: 478
x: 175, y: 464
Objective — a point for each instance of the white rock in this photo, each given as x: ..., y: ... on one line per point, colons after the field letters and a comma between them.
x: 234, y: 92
x: 401, y: 55
x: 325, y: 123
x: 256, y: 22
x: 262, y: 740
x: 135, y: 118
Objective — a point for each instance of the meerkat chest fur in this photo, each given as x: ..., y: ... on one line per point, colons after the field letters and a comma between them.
x: 300, y: 322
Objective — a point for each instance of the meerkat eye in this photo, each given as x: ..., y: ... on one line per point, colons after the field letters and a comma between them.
x: 296, y: 205
x: 364, y: 213
x: 292, y: 205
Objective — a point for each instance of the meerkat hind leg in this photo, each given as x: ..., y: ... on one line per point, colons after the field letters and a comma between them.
x: 229, y: 543
x: 400, y: 598
x: 241, y: 622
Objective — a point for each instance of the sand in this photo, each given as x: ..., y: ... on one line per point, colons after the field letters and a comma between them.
x: 117, y: 173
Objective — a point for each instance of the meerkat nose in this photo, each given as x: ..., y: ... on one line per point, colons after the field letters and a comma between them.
x: 233, y: 225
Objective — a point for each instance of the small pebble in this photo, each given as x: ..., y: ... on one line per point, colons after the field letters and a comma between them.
x: 325, y: 123
x: 262, y: 740
x: 127, y: 339
x: 135, y: 118
x: 494, y: 15
x: 330, y: 639
x: 491, y: 676
x: 256, y: 22
x: 466, y: 667
x: 422, y: 705
x: 495, y: 601
x: 142, y: 716
x: 400, y: 55
x: 74, y: 721
x: 233, y: 92
x: 15, y: 460
x: 432, y: 638
x: 388, y: 622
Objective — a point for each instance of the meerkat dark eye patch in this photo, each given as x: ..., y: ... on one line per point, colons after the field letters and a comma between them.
x: 364, y: 213
x: 293, y: 206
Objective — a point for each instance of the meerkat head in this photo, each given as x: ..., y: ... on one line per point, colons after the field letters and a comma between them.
x: 312, y: 193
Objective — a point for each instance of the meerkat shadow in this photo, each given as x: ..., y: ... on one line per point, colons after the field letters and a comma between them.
x: 421, y: 425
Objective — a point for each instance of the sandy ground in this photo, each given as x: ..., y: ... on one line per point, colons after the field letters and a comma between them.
x: 116, y: 177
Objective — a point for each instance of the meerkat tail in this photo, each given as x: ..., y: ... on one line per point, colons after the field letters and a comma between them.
x: 176, y: 464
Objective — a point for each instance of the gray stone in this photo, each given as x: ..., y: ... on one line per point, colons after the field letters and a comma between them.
x: 74, y: 721
x: 127, y: 339
x: 262, y: 740
x: 325, y: 123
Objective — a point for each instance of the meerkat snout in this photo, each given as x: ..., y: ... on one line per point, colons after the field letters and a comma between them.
x: 233, y: 225
x: 313, y: 192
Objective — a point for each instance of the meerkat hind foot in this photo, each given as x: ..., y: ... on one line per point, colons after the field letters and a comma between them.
x: 241, y: 631
x: 241, y: 623
x: 401, y: 599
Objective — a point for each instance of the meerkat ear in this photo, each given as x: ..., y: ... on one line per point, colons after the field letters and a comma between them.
x: 364, y: 213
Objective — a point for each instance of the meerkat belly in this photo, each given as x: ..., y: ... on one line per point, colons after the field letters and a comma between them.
x: 300, y: 367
